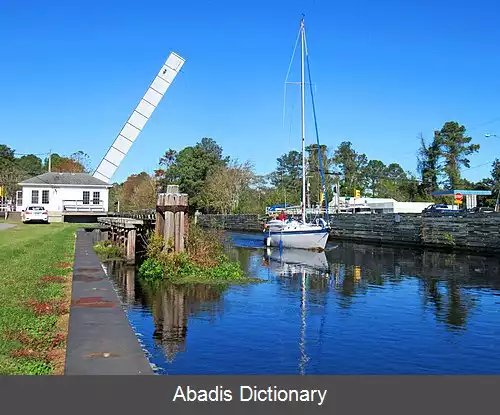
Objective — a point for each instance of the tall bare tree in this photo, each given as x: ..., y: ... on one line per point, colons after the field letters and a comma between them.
x: 224, y: 187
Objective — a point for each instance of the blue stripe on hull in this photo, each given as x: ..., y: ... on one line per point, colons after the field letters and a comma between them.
x: 298, y: 232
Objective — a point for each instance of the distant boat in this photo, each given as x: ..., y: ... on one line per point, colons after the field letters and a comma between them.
x: 293, y: 233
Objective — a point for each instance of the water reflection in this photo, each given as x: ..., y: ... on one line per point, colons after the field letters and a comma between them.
x: 447, y: 282
x: 173, y: 305
x: 170, y: 305
x: 351, y: 299
x: 312, y: 271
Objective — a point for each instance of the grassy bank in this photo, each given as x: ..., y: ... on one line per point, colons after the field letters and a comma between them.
x: 203, y: 262
x: 35, y: 292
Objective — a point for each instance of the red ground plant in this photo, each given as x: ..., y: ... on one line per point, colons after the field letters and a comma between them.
x: 28, y: 354
x: 47, y: 279
x: 64, y: 265
x: 58, y: 340
x: 46, y: 308
x: 44, y: 348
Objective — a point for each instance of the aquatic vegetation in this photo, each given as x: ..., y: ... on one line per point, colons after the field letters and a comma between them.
x: 151, y: 269
x: 449, y: 239
x: 108, y: 250
x: 203, y: 261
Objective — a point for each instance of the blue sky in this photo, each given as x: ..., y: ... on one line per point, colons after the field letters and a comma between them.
x: 385, y: 71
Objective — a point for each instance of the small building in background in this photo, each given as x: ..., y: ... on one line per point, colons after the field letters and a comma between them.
x: 465, y: 198
x: 376, y: 205
x: 62, y: 193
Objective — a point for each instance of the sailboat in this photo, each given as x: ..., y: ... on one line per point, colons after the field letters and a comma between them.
x: 294, y: 233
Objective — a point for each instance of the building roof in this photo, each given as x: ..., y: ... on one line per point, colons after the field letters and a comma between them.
x: 67, y: 179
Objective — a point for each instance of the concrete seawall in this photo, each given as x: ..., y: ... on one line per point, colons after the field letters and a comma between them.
x: 470, y: 232
x: 100, y: 339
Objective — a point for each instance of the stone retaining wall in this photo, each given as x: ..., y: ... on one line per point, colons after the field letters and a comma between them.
x: 386, y: 228
x: 475, y: 232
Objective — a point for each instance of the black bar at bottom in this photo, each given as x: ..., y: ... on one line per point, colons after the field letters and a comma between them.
x: 345, y: 395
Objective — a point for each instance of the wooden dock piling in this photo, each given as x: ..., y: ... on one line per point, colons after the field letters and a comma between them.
x: 130, y: 244
x: 123, y: 232
x: 170, y: 221
x: 171, y: 218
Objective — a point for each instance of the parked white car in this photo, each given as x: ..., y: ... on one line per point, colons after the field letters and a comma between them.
x: 35, y: 214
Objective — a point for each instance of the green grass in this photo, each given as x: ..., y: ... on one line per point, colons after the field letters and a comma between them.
x: 34, y: 299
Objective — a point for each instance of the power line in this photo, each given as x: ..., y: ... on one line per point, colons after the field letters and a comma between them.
x: 30, y: 154
x: 479, y: 165
x: 484, y: 123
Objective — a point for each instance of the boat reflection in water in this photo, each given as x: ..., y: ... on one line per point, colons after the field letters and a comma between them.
x: 291, y: 261
x: 303, y: 265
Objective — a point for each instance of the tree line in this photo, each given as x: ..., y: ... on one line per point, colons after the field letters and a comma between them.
x: 217, y: 183
x: 14, y: 169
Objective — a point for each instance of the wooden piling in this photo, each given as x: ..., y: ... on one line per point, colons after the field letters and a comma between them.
x: 159, y: 223
x: 171, y: 217
x: 130, y: 244
x: 126, y: 232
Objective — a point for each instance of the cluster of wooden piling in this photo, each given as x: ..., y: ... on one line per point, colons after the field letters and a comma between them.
x: 172, y: 218
x: 122, y: 232
x: 170, y: 222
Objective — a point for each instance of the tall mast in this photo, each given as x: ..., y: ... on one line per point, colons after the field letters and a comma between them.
x: 302, y: 93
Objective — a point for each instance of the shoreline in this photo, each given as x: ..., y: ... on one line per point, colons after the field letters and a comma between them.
x: 100, y: 338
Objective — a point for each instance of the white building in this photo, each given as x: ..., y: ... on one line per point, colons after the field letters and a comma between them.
x: 378, y: 205
x: 64, y: 192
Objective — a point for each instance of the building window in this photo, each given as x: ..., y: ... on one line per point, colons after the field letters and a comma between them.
x: 86, y: 198
x: 20, y: 198
x: 45, y: 197
x: 96, y: 198
x: 34, y: 196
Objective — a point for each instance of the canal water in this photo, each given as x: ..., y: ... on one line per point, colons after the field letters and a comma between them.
x: 355, y: 309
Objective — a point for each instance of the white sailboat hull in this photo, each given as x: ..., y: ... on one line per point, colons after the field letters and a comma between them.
x: 299, y: 239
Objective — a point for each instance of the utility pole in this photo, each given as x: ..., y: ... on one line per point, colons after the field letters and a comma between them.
x: 50, y: 160
x: 337, y: 196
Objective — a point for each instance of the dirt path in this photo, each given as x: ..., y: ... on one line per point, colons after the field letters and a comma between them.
x: 5, y: 226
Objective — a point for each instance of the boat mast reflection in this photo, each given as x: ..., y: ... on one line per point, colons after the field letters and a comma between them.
x: 303, y: 320
x: 289, y: 263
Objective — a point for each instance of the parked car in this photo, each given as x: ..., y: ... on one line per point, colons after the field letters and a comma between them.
x: 35, y: 214
x: 439, y: 207
x: 482, y: 209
